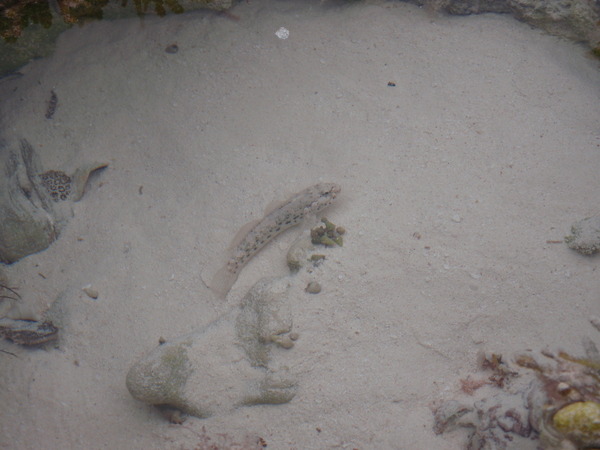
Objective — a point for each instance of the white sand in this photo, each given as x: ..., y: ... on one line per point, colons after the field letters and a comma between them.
x: 487, y: 147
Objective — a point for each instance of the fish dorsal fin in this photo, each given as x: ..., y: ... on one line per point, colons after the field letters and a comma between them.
x: 241, y: 234
x: 275, y: 204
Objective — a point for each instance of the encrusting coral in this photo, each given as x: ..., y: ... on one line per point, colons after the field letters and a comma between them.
x: 551, y: 397
x: 16, y: 15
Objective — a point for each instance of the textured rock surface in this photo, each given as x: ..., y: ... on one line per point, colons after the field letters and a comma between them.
x: 585, y: 236
x: 264, y: 315
x: 35, y: 25
x: 225, y: 364
x: 27, y: 222
x: 30, y: 217
x: 577, y: 19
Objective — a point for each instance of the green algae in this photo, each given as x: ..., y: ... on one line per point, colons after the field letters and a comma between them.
x: 327, y: 234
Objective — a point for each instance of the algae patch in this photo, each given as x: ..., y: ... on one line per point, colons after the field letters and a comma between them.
x: 585, y: 236
x: 327, y: 234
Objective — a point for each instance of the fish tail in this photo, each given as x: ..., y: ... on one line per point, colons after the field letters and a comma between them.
x: 222, y: 281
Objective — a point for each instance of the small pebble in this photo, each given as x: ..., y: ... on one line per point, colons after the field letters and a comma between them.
x: 313, y: 287
x: 91, y: 293
x: 282, y: 341
x: 173, y: 415
x: 172, y: 49
x: 282, y: 33
x: 563, y: 388
x: 294, y: 336
x: 285, y: 342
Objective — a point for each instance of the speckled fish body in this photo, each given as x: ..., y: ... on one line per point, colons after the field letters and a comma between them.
x: 305, y: 203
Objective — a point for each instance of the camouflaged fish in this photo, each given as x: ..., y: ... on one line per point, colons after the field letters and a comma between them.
x: 255, y: 235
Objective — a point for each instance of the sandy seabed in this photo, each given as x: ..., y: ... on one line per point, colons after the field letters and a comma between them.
x: 462, y: 145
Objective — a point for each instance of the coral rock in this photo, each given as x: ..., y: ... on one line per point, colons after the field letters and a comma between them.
x: 224, y: 365
x: 30, y: 217
x: 585, y: 236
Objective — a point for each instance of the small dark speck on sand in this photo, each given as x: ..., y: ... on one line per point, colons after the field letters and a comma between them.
x: 173, y: 48
x: 52, y: 104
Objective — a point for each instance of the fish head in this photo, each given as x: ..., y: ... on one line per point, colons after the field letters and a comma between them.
x: 325, y: 195
x: 330, y: 190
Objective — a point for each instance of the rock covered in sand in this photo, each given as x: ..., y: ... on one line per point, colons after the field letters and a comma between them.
x: 34, y: 206
x: 585, y: 236
x: 224, y: 365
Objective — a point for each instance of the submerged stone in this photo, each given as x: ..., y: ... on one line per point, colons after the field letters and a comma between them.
x: 224, y: 365
x: 585, y: 236
x: 34, y: 206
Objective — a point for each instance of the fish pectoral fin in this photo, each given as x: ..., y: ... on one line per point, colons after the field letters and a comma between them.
x: 222, y: 281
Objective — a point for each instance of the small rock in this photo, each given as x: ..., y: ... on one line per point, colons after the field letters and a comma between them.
x: 313, y: 287
x: 91, y: 293
x: 283, y: 341
x: 173, y: 415
x: 172, y: 49
x: 585, y: 236
x: 282, y: 33
x: 297, y: 254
